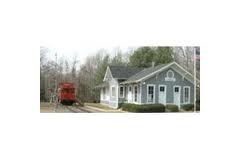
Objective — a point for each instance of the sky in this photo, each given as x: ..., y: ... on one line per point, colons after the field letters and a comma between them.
x: 82, y: 52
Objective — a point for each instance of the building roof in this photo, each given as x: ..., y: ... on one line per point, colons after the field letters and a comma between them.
x: 144, y: 73
x: 123, y: 72
x: 136, y: 74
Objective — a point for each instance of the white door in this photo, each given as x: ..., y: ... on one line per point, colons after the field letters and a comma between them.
x: 176, y: 95
x: 129, y: 93
x: 162, y: 94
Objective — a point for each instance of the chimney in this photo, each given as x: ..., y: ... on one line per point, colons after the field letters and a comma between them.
x: 153, y: 64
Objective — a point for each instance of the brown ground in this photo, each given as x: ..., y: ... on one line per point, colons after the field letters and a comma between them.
x: 46, y: 107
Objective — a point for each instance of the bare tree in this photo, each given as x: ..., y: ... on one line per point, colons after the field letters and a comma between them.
x: 185, y: 57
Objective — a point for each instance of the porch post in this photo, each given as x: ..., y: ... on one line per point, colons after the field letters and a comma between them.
x: 140, y: 92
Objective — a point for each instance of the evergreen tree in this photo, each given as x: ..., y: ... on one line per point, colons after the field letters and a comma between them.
x: 144, y: 56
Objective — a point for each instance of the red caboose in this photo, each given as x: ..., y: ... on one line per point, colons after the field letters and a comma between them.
x: 66, y: 93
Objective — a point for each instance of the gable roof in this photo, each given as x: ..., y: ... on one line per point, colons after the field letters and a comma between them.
x: 148, y: 72
x: 144, y: 73
x: 123, y: 72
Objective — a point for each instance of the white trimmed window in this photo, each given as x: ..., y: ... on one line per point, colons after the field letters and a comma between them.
x: 121, y: 90
x: 113, y: 91
x: 135, y: 93
x: 150, y: 93
x: 186, y: 94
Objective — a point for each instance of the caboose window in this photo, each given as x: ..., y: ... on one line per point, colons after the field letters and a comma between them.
x: 70, y: 90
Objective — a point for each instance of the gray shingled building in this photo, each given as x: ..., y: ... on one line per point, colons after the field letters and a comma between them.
x: 166, y: 83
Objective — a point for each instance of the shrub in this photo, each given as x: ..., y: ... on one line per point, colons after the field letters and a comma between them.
x: 151, y: 108
x: 172, y: 108
x: 129, y: 107
x: 120, y: 105
x: 188, y: 107
x: 143, y: 108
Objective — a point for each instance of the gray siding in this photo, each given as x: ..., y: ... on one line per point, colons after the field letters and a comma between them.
x: 113, y: 82
x: 113, y: 101
x: 159, y: 79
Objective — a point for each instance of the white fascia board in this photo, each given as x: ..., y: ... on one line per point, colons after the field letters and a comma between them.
x: 151, y: 74
x: 185, y: 70
x: 164, y: 68
x: 184, y: 75
x: 105, y: 74
x: 104, y: 79
x: 128, y: 82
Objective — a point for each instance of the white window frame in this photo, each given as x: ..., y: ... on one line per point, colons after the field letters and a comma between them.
x: 151, y: 85
x: 121, y: 96
x: 134, y: 93
x: 186, y: 102
x: 176, y: 86
x: 112, y: 91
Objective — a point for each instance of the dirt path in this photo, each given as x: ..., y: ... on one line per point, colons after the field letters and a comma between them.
x: 50, y: 108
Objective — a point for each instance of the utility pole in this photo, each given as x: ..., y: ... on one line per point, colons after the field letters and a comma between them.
x: 195, y: 80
